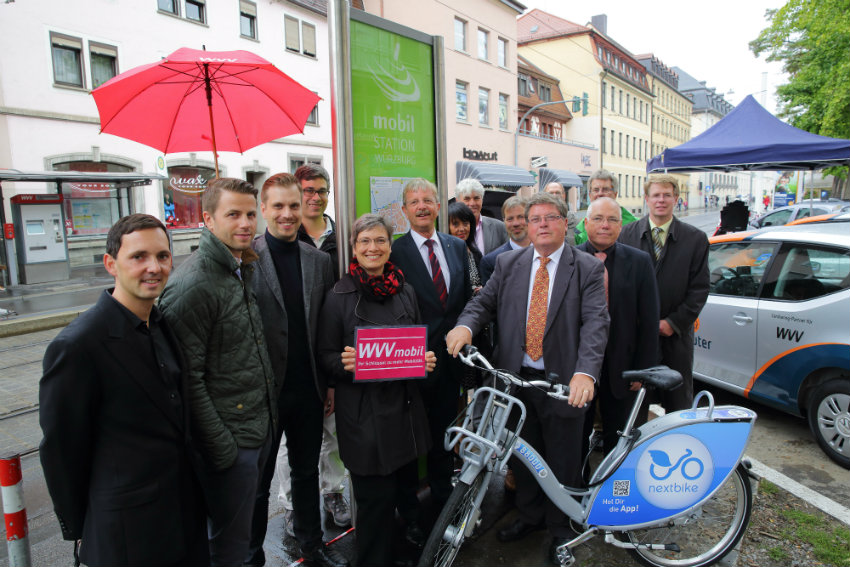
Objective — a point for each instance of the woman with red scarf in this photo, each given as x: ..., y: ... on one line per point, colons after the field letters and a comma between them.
x: 381, y: 426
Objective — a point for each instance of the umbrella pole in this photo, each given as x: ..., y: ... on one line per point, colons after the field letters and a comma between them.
x: 208, y: 88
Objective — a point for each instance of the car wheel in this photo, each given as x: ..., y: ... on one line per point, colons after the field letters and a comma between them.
x: 829, y: 419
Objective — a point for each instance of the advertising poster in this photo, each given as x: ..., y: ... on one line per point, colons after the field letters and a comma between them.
x: 390, y: 353
x: 393, y: 110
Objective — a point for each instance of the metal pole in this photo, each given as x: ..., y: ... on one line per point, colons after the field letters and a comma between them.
x: 339, y: 40
x: 440, y: 133
x: 521, y: 120
x: 14, y: 512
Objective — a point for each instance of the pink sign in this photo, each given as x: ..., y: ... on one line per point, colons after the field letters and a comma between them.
x: 390, y: 353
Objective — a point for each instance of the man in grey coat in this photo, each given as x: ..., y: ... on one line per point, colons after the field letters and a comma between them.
x: 489, y: 232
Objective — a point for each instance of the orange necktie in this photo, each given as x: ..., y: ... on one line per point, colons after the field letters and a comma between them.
x: 537, y: 312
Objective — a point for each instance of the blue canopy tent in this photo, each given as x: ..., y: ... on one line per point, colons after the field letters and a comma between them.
x: 752, y: 139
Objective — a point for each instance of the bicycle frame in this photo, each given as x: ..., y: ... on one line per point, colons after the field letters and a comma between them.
x: 694, y: 451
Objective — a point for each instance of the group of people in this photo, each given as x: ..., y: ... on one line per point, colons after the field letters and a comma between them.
x: 167, y: 457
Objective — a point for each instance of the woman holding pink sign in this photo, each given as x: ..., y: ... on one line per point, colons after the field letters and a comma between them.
x: 381, y: 424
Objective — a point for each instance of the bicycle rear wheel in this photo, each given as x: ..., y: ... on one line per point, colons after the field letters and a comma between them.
x: 704, y: 536
x: 453, y: 524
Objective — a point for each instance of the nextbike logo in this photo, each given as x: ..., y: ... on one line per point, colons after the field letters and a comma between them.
x: 675, y: 471
x: 396, y: 83
x: 533, y: 460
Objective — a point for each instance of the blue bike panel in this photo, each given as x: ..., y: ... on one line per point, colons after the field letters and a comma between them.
x: 669, y: 473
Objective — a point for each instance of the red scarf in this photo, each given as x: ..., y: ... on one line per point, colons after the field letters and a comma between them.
x: 387, y: 284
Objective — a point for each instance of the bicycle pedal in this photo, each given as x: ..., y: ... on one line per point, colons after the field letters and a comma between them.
x: 564, y: 555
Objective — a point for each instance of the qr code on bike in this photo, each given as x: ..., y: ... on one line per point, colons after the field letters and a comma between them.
x: 621, y: 487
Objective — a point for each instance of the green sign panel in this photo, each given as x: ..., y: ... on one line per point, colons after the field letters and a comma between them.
x: 392, y: 88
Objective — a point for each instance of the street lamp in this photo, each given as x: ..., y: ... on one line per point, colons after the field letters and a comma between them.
x: 521, y: 120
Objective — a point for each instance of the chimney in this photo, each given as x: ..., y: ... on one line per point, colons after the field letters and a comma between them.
x: 600, y: 22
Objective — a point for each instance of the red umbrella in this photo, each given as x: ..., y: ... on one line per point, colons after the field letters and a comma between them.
x: 196, y: 100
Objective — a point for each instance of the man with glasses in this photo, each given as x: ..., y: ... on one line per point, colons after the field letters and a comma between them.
x: 317, y: 228
x: 679, y: 253
x: 602, y: 184
x: 549, y: 302
x: 633, y: 307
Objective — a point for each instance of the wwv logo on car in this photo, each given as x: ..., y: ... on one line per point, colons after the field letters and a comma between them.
x: 675, y: 471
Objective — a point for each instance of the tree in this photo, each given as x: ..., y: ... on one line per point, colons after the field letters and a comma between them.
x: 812, y: 39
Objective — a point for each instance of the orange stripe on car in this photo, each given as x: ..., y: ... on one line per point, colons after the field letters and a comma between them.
x: 770, y: 362
x: 816, y: 218
x: 731, y: 237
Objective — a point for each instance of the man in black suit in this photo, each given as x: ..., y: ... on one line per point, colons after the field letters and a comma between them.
x: 679, y: 253
x: 633, y: 307
x: 437, y: 266
x: 513, y: 215
x: 489, y: 232
x: 291, y: 280
x: 113, y: 409
x: 549, y: 302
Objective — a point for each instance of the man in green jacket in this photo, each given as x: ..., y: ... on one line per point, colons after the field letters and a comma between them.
x: 212, y: 308
x: 602, y: 184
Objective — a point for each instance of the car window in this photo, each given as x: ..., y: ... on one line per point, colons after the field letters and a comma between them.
x: 737, y: 268
x: 807, y: 212
x: 808, y: 272
x: 776, y: 218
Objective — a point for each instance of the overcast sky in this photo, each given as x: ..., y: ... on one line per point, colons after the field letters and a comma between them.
x: 709, y: 41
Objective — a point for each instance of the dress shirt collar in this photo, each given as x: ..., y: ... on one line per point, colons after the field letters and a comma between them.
x: 420, y: 240
x: 555, y: 256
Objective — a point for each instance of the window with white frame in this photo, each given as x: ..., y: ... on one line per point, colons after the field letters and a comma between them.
x: 103, y: 60
x: 313, y: 119
x: 522, y: 85
x: 483, y: 40
x: 460, y: 34
x: 483, y: 106
x: 297, y: 160
x: 67, y: 54
x: 544, y: 91
x: 170, y: 6
x: 461, y: 102
x: 247, y: 19
x: 502, y: 52
x: 300, y: 36
x: 503, y: 111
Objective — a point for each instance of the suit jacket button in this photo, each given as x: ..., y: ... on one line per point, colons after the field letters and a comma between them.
x: 238, y: 406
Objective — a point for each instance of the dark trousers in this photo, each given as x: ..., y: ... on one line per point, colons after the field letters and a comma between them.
x: 377, y: 498
x: 440, y: 393
x: 559, y: 441
x: 300, y: 416
x: 678, y: 353
x: 230, y: 497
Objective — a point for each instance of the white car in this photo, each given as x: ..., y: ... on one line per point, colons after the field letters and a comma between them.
x: 776, y: 327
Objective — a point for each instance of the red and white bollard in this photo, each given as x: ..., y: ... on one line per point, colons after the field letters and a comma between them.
x: 14, y: 512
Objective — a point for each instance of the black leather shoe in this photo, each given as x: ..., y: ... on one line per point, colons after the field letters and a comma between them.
x: 323, y: 556
x: 553, y: 550
x: 414, y: 535
x: 517, y: 530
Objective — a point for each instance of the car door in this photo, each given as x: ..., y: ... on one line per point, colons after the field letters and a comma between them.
x: 776, y: 218
x: 726, y: 332
x: 803, y: 310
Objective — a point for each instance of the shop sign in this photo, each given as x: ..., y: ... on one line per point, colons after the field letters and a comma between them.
x: 478, y: 155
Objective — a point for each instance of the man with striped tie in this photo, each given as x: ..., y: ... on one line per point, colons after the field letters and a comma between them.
x: 436, y: 265
x: 679, y: 253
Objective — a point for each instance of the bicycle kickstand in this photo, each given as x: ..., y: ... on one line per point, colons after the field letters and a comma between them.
x: 565, y: 555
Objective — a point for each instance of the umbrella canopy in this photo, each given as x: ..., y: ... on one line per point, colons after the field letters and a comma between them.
x: 196, y: 100
x: 751, y: 138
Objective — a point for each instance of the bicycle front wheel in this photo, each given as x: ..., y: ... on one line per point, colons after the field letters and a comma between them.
x: 455, y: 523
x: 704, y: 536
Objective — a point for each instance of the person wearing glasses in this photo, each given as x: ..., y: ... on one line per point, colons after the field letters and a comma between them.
x: 317, y: 228
x: 549, y: 303
x: 382, y: 426
x: 602, y: 184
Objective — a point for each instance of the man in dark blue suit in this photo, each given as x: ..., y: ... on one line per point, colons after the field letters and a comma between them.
x: 513, y: 215
x: 633, y: 307
x: 437, y: 266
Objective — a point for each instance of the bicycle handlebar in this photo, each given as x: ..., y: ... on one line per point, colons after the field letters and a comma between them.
x: 469, y: 354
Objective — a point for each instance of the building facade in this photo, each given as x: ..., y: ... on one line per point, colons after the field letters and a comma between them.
x: 609, y: 87
x: 671, y: 118
x: 49, y: 121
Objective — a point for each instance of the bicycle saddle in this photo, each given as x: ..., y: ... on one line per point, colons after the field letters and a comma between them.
x: 661, y: 377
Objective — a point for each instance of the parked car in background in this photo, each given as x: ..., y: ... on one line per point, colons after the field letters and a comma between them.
x: 776, y: 326
x: 785, y: 215
x: 840, y: 216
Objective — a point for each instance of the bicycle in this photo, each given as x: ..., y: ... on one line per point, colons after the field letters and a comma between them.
x: 673, y: 492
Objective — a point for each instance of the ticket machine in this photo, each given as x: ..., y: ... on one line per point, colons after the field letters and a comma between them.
x: 41, y: 245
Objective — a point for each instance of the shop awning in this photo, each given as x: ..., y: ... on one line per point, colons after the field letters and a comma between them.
x: 566, y: 178
x: 119, y: 178
x: 495, y: 175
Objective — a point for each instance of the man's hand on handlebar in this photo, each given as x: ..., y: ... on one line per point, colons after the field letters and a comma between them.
x: 581, y: 390
x: 456, y: 339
